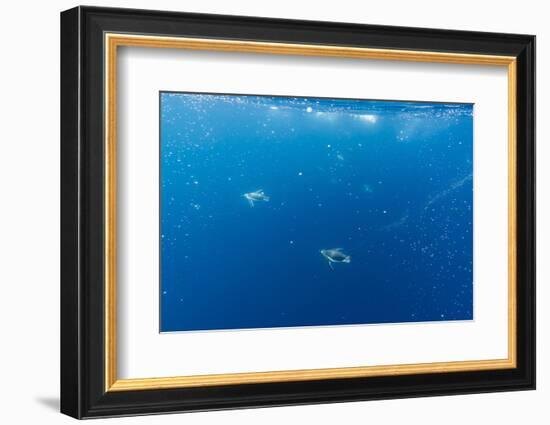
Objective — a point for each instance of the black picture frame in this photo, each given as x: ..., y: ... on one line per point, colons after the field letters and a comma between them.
x: 83, y: 392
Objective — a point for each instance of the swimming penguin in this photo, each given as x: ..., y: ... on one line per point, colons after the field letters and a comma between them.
x: 335, y: 255
x: 256, y: 196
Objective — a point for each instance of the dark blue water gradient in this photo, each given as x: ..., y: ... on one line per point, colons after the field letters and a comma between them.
x: 388, y: 182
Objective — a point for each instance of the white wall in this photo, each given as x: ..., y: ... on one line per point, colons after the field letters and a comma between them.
x: 29, y: 224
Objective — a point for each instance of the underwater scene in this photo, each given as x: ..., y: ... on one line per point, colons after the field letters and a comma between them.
x: 281, y: 211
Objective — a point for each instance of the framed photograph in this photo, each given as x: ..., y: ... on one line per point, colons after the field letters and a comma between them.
x: 261, y: 212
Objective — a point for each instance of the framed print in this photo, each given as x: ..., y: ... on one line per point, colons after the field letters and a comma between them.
x: 261, y: 212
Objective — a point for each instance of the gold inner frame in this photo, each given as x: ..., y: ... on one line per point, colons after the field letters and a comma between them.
x: 113, y: 41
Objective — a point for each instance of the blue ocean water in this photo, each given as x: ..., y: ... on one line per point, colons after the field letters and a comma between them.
x: 254, y: 187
